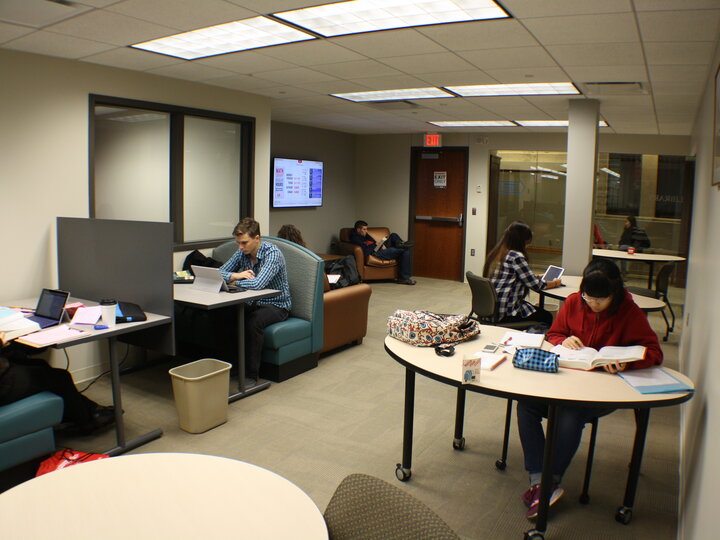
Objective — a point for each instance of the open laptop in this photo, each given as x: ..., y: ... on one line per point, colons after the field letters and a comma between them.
x: 50, y: 308
x: 552, y: 272
x: 210, y: 280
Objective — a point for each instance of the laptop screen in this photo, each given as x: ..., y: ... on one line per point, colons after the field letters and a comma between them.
x: 51, y: 304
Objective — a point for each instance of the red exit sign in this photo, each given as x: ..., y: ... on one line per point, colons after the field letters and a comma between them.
x: 432, y: 139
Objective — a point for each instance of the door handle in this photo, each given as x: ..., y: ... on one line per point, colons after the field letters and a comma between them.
x: 458, y: 219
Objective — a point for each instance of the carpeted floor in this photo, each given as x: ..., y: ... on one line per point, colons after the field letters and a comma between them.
x: 346, y: 416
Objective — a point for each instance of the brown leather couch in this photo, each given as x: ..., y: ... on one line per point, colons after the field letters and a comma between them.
x: 346, y: 315
x: 372, y: 268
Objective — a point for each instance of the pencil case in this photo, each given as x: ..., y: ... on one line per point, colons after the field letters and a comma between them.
x: 536, y: 360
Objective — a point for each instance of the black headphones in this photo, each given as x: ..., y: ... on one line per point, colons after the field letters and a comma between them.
x: 445, y: 349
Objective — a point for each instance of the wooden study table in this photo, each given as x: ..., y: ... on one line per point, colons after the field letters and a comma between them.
x: 111, y: 334
x: 568, y: 387
x: 571, y: 284
x: 649, y: 258
x: 179, y: 496
x: 188, y: 295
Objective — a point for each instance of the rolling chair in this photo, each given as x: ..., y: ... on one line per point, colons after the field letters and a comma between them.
x: 662, y: 282
x: 484, y: 309
x: 367, y: 508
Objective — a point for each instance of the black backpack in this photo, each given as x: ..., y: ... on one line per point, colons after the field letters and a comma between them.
x: 347, y: 269
x: 198, y: 259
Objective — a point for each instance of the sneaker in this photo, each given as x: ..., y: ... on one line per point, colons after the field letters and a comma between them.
x: 406, y: 245
x: 557, y: 492
x: 406, y: 281
x: 530, y: 494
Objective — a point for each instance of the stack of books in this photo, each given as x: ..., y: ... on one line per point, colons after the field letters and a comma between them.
x: 13, y: 324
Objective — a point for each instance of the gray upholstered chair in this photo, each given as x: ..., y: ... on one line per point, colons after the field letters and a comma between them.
x: 366, y: 508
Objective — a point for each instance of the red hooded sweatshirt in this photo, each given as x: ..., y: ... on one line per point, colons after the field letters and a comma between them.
x: 627, y: 326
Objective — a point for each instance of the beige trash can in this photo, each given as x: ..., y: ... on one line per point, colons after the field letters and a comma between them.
x: 553, y: 308
x: 201, y: 394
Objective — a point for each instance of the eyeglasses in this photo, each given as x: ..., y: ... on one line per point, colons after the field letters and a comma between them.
x: 595, y: 301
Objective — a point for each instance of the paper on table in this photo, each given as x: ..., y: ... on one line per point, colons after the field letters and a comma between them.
x: 86, y: 315
x: 53, y: 335
x: 653, y: 380
x: 522, y: 339
x: 333, y: 278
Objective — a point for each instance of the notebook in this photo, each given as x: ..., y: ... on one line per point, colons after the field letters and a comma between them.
x: 552, y: 272
x: 210, y: 280
x: 50, y: 308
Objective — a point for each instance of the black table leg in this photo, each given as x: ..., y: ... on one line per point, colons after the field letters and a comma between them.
x: 642, y: 418
x: 459, y: 440
x: 403, y: 470
x: 651, y: 273
x: 547, y: 480
x: 261, y: 385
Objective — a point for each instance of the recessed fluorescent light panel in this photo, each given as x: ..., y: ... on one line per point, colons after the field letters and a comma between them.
x: 356, y: 16
x: 394, y: 95
x: 551, y: 123
x: 225, y: 38
x: 529, y: 89
x: 474, y: 123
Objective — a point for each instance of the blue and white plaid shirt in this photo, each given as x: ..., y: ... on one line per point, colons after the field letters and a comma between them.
x: 512, y: 279
x: 270, y: 273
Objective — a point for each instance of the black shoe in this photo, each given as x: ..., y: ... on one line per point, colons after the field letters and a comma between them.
x: 406, y: 281
x: 406, y: 245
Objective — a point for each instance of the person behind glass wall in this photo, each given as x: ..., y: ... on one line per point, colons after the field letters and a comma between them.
x: 507, y: 268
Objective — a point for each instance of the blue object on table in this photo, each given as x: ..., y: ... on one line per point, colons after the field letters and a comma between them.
x: 536, y: 360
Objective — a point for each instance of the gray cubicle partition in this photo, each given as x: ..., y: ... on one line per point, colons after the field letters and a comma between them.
x: 130, y: 261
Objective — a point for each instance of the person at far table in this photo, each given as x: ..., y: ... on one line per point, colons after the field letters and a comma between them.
x: 393, y: 247
x: 258, y: 265
x: 601, y: 313
x: 292, y: 233
x: 507, y: 268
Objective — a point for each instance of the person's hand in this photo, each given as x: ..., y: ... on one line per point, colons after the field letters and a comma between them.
x: 573, y: 342
x: 246, y: 274
x: 615, y: 367
x: 553, y: 283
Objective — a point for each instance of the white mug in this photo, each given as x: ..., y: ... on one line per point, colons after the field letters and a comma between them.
x: 108, y: 308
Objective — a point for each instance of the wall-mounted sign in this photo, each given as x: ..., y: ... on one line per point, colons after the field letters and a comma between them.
x: 432, y: 139
x: 440, y: 179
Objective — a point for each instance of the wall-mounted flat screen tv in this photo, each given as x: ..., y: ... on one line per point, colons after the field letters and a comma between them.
x: 297, y: 183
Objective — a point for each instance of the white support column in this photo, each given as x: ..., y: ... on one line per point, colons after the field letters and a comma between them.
x: 580, y: 185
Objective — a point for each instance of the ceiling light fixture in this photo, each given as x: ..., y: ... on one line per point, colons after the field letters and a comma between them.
x: 474, y: 123
x: 522, y: 89
x: 391, y: 95
x: 225, y: 38
x: 611, y: 173
x: 551, y: 123
x: 357, y: 16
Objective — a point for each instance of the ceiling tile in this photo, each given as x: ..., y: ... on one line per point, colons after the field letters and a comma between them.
x: 428, y: 63
x: 389, y: 43
x: 678, y: 73
x: 700, y: 52
x: 274, y: 6
x: 528, y: 75
x: 607, y: 73
x: 311, y: 53
x: 547, y: 8
x: 515, y: 56
x: 669, y: 5
x: 12, y: 31
x: 597, y: 54
x: 38, y: 13
x: 190, y: 71
x: 514, y: 108
x: 678, y: 88
x: 240, y: 82
x: 360, y: 68
x: 605, y: 28
x: 295, y: 75
x: 333, y: 87
x: 283, y: 92
x: 182, y: 14
x: 111, y: 28
x: 390, y: 82
x: 245, y: 62
x: 456, y: 78
x: 128, y: 58
x: 51, y: 44
x: 679, y: 25
x: 675, y: 128
x: 495, y: 34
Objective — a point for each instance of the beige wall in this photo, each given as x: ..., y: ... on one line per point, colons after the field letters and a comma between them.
x: 44, y: 155
x: 700, y: 344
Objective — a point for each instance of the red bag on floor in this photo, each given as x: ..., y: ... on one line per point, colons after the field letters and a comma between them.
x: 66, y: 458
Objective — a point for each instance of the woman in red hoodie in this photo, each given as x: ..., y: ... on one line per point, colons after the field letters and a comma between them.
x: 602, y: 313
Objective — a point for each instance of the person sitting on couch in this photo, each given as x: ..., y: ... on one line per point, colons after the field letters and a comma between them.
x: 392, y: 247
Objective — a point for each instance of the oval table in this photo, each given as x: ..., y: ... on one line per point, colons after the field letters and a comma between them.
x: 568, y: 387
x: 649, y: 258
x: 151, y: 496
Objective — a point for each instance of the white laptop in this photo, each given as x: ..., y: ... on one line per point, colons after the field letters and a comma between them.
x: 210, y: 280
x: 552, y: 272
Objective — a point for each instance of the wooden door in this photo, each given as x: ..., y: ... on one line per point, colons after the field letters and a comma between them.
x: 439, y: 177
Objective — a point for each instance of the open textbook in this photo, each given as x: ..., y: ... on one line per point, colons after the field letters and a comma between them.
x: 588, y: 358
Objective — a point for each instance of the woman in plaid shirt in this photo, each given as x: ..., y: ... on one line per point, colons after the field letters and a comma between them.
x: 507, y: 267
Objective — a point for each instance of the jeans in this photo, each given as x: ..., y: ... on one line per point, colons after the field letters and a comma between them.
x: 257, y: 318
x: 391, y: 251
x: 569, y: 424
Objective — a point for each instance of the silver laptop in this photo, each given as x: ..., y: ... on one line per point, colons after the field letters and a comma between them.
x: 552, y: 272
x: 210, y: 280
x: 50, y: 308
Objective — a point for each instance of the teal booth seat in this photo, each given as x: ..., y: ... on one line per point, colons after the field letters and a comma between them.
x: 26, y: 428
x: 292, y: 346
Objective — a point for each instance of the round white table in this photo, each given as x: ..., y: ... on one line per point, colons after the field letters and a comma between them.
x: 154, y: 496
x: 567, y: 387
x: 649, y: 258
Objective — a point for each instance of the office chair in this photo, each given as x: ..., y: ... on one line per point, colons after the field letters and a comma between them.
x: 662, y: 283
x: 367, y: 508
